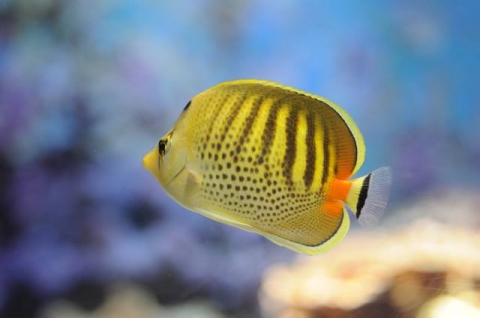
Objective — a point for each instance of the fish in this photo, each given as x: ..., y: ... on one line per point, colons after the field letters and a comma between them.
x: 273, y: 160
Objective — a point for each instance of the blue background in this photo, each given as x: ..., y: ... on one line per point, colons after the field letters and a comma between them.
x: 88, y: 87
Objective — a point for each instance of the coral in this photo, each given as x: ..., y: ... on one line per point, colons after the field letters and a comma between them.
x: 388, y: 274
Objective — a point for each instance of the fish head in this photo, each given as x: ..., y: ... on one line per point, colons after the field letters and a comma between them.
x: 168, y: 162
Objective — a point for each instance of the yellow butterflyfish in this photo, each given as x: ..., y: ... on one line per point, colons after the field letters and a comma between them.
x: 270, y: 159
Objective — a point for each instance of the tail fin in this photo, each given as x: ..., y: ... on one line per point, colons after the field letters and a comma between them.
x: 368, y: 196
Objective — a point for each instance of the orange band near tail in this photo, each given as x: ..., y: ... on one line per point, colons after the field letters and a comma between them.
x: 339, y: 190
x: 336, y: 195
x: 333, y: 208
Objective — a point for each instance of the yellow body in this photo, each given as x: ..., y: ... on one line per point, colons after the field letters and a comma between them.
x: 265, y: 158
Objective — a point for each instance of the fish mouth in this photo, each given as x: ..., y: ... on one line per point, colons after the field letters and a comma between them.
x: 150, y: 161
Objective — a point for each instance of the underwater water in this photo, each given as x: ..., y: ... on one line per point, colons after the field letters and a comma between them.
x: 88, y: 87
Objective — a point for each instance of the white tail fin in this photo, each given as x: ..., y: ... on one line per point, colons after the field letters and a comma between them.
x: 368, y: 196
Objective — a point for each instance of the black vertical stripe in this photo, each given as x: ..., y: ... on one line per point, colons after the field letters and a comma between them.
x: 291, y: 146
x: 326, y: 151
x: 233, y: 113
x: 311, y: 150
x: 363, y: 195
x: 249, y: 122
x: 268, y: 134
x: 344, y: 122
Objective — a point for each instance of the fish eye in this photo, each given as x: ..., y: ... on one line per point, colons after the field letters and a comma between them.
x: 163, y: 146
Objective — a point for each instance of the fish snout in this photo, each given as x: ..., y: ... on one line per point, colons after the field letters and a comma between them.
x: 150, y: 161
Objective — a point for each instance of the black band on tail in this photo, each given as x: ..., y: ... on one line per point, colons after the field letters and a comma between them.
x: 363, y: 195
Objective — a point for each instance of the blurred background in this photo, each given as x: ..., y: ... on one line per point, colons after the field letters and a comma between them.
x: 88, y: 87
